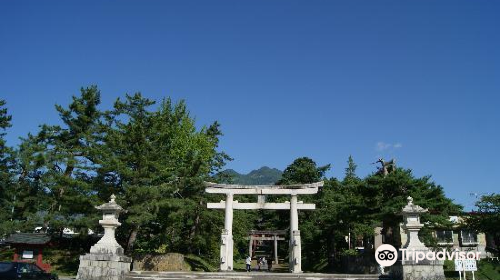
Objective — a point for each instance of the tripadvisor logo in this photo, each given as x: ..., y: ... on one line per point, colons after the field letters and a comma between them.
x: 387, y: 255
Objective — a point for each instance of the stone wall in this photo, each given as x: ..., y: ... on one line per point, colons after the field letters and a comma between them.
x: 430, y: 270
x: 362, y: 263
x: 165, y: 262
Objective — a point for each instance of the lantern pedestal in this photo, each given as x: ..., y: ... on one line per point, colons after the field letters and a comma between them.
x: 106, y: 260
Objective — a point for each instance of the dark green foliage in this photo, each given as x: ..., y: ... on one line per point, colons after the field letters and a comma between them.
x: 389, y: 195
x: 6, y: 174
x: 153, y: 158
x: 56, y: 165
x: 156, y: 161
x: 487, y: 217
x: 303, y: 170
x: 356, y: 206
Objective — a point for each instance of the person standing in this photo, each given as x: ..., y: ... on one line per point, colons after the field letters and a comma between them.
x: 269, y: 264
x: 248, y: 262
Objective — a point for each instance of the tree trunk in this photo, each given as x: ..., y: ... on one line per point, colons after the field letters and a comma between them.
x: 67, y: 173
x: 131, y: 239
x: 194, y: 229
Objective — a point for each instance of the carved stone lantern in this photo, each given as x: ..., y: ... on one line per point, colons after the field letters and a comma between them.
x: 409, y: 268
x: 106, y: 260
x: 110, y: 214
x: 411, y: 214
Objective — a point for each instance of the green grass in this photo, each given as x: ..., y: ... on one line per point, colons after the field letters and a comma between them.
x: 198, y: 264
x: 63, y: 262
x: 239, y: 265
x: 487, y: 270
x: 321, y: 266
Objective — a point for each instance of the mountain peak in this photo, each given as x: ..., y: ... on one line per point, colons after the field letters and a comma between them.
x: 262, y: 176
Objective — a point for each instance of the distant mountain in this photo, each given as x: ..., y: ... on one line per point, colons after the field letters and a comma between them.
x: 262, y: 176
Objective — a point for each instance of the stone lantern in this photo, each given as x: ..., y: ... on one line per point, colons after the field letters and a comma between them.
x: 108, y: 244
x: 408, y: 268
x: 411, y: 215
x: 106, y: 260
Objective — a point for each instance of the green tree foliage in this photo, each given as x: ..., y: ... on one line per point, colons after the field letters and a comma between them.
x: 487, y: 217
x: 386, y: 196
x: 152, y: 156
x: 6, y: 174
x: 156, y: 161
x: 303, y: 170
x: 55, y: 167
x: 356, y: 206
x: 342, y: 213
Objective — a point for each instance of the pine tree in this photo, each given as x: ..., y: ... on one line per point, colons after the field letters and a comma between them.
x: 350, y: 171
x: 58, y: 162
x: 6, y: 174
x: 487, y: 217
x: 156, y: 161
x: 302, y: 171
x: 384, y: 198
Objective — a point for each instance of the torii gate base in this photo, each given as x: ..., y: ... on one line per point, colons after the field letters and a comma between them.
x: 226, y: 248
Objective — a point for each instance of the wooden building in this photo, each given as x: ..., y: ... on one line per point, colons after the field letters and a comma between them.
x: 28, y: 247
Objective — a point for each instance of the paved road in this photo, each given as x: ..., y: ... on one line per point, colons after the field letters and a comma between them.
x: 137, y: 275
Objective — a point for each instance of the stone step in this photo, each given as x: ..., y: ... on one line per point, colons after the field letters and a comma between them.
x: 149, y: 275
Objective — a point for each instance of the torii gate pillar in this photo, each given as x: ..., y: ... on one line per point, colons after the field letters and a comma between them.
x: 226, y: 247
x: 295, y: 246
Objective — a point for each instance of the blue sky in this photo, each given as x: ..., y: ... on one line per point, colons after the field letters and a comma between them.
x: 415, y: 80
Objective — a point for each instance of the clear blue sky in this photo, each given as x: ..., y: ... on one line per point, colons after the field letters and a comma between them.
x: 415, y: 80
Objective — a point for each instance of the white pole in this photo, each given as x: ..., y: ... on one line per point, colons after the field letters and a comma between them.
x: 349, y: 239
x: 473, y: 277
x: 294, y: 215
x: 226, y: 248
x: 295, y: 248
x: 275, y: 249
x: 460, y: 274
x: 229, y: 226
x: 250, y: 246
x: 228, y: 221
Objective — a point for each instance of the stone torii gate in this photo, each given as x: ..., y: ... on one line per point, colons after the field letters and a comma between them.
x: 226, y: 248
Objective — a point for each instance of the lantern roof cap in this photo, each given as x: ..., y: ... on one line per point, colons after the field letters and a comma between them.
x: 411, y: 208
x: 111, y: 205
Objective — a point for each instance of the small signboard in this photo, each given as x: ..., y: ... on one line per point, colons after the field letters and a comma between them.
x: 466, y: 265
x: 459, y: 266
x: 470, y: 265
x: 27, y: 254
